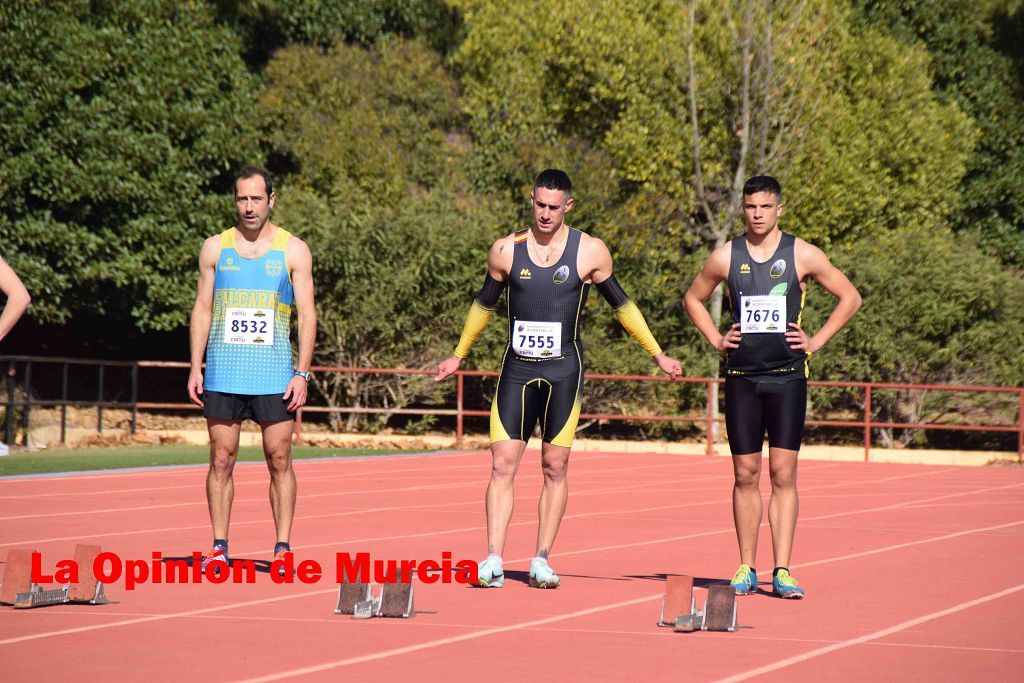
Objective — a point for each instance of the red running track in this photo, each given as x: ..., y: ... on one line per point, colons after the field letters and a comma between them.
x: 910, y: 571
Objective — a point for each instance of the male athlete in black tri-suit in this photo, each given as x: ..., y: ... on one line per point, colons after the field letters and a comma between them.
x: 548, y: 270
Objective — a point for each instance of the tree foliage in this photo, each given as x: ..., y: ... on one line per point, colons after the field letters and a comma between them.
x: 399, y: 239
x: 937, y: 310
x: 972, y: 68
x: 268, y: 25
x: 405, y: 135
x: 120, y: 126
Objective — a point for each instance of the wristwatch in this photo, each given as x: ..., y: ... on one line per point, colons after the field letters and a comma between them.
x: 303, y: 375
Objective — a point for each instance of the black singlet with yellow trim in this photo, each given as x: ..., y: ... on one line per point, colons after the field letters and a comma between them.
x: 542, y: 370
x: 763, y: 351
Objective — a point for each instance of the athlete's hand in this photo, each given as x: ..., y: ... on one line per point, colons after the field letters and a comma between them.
x: 195, y: 387
x: 297, y: 390
x: 798, y: 339
x: 447, y: 367
x: 731, y: 339
x: 670, y: 366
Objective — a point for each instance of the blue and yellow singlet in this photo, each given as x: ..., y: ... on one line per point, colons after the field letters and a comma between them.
x: 249, y: 351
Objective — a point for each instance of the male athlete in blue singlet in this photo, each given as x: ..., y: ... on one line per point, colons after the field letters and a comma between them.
x: 249, y: 278
x: 548, y: 270
x: 767, y: 351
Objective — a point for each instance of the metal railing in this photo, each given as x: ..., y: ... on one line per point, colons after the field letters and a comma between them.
x: 706, y: 417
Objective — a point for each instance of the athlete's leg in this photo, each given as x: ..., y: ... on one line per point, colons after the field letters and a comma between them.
x: 559, y: 421
x: 785, y: 504
x: 745, y: 426
x: 513, y: 416
x: 220, y: 486
x: 746, y: 504
x: 784, y: 415
x: 277, y: 449
x: 554, y: 495
x: 505, y: 457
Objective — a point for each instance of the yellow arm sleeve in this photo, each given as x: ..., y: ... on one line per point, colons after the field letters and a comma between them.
x: 476, y: 321
x: 630, y: 317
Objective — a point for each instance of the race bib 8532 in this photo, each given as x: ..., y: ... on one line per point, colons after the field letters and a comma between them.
x: 249, y: 326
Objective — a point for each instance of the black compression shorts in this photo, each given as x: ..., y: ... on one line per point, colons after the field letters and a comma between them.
x: 549, y: 390
x: 754, y: 406
x: 258, y: 408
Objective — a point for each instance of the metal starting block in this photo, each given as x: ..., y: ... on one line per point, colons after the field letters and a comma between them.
x: 350, y: 595
x: 17, y: 575
x: 679, y: 609
x: 678, y: 603
x: 37, y: 597
x: 396, y: 600
x: 357, y: 599
x: 720, y: 609
x: 88, y: 591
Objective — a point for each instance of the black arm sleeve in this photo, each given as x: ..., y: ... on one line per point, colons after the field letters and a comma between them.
x: 612, y: 292
x: 490, y: 292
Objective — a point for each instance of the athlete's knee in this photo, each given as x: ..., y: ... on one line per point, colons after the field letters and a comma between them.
x: 747, y: 472
x: 222, y: 460
x: 503, y: 466
x: 784, y: 477
x: 555, y: 467
x: 279, y: 460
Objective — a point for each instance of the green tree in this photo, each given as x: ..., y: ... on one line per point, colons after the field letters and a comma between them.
x: 269, y: 25
x: 678, y: 110
x: 971, y: 68
x: 120, y: 124
x: 937, y: 310
x: 399, y: 238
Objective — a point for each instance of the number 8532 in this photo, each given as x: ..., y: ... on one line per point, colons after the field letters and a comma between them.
x: 254, y: 326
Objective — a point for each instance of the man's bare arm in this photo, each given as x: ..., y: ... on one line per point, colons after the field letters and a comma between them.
x: 814, y: 263
x: 300, y: 265
x: 596, y: 265
x: 202, y: 313
x: 499, y: 264
x: 714, y: 272
x: 18, y: 298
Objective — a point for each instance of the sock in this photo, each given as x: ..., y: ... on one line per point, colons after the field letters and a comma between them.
x: 776, y: 571
x: 221, y: 543
x: 282, y: 545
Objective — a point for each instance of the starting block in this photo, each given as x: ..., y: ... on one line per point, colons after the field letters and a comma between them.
x: 350, y: 595
x: 679, y: 609
x: 678, y: 603
x: 88, y: 591
x: 357, y: 599
x: 720, y: 609
x: 396, y: 600
x: 17, y: 575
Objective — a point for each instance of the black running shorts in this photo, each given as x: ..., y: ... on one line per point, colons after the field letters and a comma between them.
x: 259, y: 408
x: 755, y: 406
x: 550, y: 391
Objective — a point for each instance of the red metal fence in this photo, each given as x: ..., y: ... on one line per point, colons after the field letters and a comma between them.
x: 20, y: 367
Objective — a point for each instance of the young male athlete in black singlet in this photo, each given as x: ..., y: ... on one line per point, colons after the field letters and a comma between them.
x: 548, y: 270
x: 767, y: 351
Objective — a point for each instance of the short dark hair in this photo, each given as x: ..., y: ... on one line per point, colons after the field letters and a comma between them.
x: 553, y: 179
x: 763, y: 183
x: 252, y: 171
